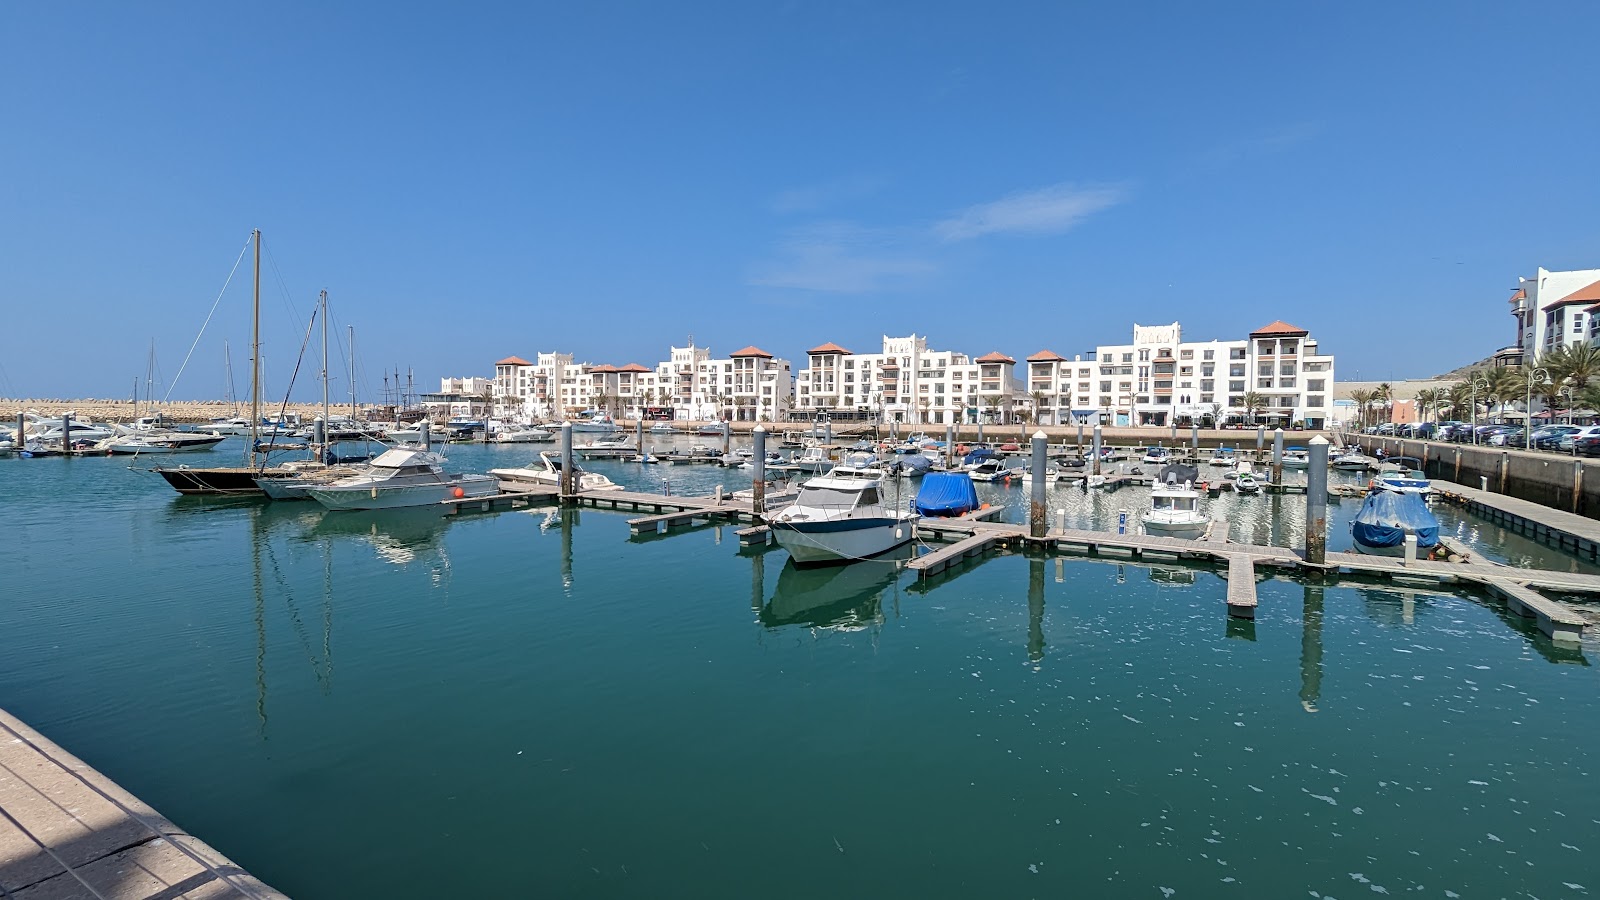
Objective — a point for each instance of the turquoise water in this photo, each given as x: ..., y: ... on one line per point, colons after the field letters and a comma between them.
x: 529, y: 703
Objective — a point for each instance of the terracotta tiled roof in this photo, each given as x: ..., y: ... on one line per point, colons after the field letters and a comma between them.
x: 752, y: 350
x: 995, y: 357
x: 829, y: 347
x: 604, y: 368
x: 1279, y: 327
x: 1047, y: 356
x: 1520, y: 295
x: 513, y: 361
x: 1588, y: 294
x: 633, y: 367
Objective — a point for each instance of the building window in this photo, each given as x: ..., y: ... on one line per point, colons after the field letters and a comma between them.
x: 1127, y: 357
x: 1186, y: 354
x: 1144, y: 356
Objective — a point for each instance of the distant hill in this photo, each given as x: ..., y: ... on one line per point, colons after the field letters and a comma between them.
x: 1461, y: 373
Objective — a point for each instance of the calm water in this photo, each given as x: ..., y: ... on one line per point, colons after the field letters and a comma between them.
x: 530, y: 704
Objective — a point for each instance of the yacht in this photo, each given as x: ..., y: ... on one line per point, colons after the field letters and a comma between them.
x: 1297, y: 458
x: 143, y: 443
x: 988, y: 470
x: 840, y: 518
x: 235, y: 425
x: 1157, y: 456
x: 1354, y: 461
x: 713, y: 429
x: 399, y: 478
x: 307, y: 474
x: 663, y: 428
x: 548, y: 474
x: 1175, y: 505
x: 620, y: 447
x: 1403, y: 474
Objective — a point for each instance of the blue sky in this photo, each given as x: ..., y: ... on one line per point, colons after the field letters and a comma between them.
x: 474, y: 181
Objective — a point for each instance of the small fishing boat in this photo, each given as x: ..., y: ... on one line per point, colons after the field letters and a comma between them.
x: 600, y: 424
x: 522, y: 435
x: 712, y: 429
x: 988, y: 470
x: 840, y: 518
x: 1387, y: 517
x: 663, y: 428
x: 548, y: 474
x: 1223, y: 456
x: 400, y: 478
x: 1354, y: 461
x: 1051, y: 475
x: 1175, y: 505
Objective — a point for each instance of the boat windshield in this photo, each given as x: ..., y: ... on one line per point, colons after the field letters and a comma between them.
x: 833, y: 498
x: 1183, y: 503
x: 1162, y: 502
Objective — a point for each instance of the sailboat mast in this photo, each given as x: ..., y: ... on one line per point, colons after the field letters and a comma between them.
x: 325, y: 362
x: 353, y: 373
x: 255, y: 356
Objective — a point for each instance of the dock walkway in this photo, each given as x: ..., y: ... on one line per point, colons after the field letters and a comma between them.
x: 68, y: 832
x: 1568, y: 531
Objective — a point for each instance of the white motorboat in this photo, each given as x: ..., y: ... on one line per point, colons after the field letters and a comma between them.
x: 1404, y: 475
x: 988, y: 470
x: 307, y: 474
x: 548, y: 474
x: 1175, y: 505
x: 1297, y: 458
x: 517, y: 434
x: 1223, y: 456
x: 601, y: 424
x: 1354, y: 461
x: 812, y: 459
x: 401, y: 478
x: 608, y: 448
x: 663, y: 428
x: 1051, y: 475
x: 152, y: 442
x: 713, y: 429
x: 839, y: 518
x: 235, y: 425
x: 1246, y: 483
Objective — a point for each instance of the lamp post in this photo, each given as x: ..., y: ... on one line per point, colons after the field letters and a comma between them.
x: 1536, y: 375
x: 1475, y: 383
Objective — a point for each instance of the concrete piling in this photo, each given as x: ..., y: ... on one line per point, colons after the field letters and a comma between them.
x: 1080, y: 437
x: 1261, y: 441
x: 950, y: 446
x: 1038, y: 515
x: 66, y: 433
x: 567, y: 481
x: 424, y: 439
x: 638, y: 436
x: 758, y: 488
x: 1097, y: 448
x: 1194, y: 439
x: 1277, y: 456
x: 1317, y: 502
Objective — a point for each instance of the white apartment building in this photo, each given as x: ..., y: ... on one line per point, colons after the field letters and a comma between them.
x: 1555, y: 310
x: 749, y: 385
x: 906, y: 382
x: 1159, y: 379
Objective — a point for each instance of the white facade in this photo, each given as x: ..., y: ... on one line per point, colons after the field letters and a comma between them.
x: 906, y: 382
x: 1553, y: 310
x: 749, y: 385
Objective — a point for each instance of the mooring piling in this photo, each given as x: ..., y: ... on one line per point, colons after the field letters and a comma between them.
x: 1317, y: 502
x: 1038, y: 515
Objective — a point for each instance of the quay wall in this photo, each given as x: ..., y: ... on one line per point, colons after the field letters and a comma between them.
x: 1550, y: 479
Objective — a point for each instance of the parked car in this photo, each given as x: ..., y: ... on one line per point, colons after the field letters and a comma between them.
x: 1386, y: 428
x: 1509, y: 436
x: 1569, y: 440
x: 1586, y: 444
x: 1549, y: 437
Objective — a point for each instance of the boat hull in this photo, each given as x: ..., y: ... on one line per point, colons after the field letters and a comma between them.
x: 402, y: 496
x: 1187, y: 530
x: 220, y: 480
x: 842, y: 540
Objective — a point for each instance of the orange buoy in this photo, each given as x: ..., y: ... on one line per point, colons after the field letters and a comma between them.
x: 459, y: 493
x: 983, y: 506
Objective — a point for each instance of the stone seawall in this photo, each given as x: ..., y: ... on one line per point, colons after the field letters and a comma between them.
x: 1560, y: 482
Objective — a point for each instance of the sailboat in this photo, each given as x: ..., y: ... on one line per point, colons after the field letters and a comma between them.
x: 235, y: 480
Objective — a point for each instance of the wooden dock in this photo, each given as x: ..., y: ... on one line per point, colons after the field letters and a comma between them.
x: 942, y: 558
x: 1241, y: 586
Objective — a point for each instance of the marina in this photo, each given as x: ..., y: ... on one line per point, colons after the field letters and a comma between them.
x: 326, y: 580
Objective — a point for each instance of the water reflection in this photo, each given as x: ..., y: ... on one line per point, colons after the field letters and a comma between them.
x: 842, y: 597
x: 1311, y: 648
x: 269, y: 569
x: 1036, y: 642
x: 399, y: 536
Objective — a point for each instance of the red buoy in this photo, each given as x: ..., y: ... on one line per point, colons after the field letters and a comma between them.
x: 459, y: 493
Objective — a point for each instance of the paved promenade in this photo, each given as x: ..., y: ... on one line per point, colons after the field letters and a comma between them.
x: 69, y: 833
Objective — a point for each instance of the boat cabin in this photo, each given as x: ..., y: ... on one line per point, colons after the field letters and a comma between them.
x: 1185, y: 501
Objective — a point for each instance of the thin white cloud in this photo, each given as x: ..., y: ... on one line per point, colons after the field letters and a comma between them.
x: 815, y: 197
x: 1042, y: 211
x: 842, y: 258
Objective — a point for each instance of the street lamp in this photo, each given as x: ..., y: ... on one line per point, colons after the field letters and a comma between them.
x: 1475, y: 383
x: 1538, y: 375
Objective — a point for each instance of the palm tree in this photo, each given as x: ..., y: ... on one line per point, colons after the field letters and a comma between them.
x: 1363, y: 401
x: 1384, y: 397
x: 1577, y: 364
x: 1216, y: 415
x: 1426, y: 399
x: 1254, y: 403
x: 925, y: 403
x: 1038, y: 403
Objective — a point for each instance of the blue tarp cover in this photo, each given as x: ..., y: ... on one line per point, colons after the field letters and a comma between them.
x: 1386, y: 515
x: 946, y: 494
